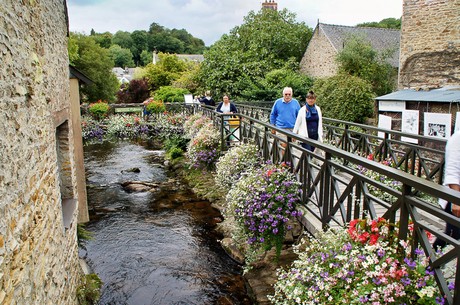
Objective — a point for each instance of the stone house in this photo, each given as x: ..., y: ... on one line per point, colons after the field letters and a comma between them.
x: 328, y: 40
x: 41, y: 190
x: 429, y: 73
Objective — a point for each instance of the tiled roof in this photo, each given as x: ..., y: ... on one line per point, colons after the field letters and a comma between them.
x: 380, y: 39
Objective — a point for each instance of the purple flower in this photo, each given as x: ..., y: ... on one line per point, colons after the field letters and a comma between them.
x: 406, y: 281
x: 380, y: 253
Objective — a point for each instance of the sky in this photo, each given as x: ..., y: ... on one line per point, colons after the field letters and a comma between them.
x: 210, y: 19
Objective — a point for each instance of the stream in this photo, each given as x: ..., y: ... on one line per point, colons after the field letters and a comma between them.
x: 157, y: 246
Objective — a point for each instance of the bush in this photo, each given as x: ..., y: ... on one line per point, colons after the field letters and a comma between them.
x: 175, y: 153
x: 89, y: 291
x: 99, y: 110
x: 234, y: 163
x: 156, y: 106
x: 136, y: 91
x: 170, y: 94
x: 345, y: 97
x: 203, y: 149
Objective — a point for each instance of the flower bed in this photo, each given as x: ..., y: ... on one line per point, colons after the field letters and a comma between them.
x: 262, y: 202
x: 364, y: 264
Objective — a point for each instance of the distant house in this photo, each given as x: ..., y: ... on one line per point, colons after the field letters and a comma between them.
x: 185, y: 57
x: 124, y: 76
x: 328, y: 40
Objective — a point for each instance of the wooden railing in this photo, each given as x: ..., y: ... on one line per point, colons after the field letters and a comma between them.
x: 418, y: 155
x: 337, y: 190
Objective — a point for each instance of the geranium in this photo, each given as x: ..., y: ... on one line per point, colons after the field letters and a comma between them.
x: 362, y: 264
x: 203, y: 149
x: 262, y: 202
x: 237, y: 160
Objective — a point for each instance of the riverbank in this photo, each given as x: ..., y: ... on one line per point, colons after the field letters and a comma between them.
x: 262, y: 276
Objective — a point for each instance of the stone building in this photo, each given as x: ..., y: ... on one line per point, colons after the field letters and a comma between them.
x: 328, y: 40
x: 41, y: 194
x: 430, y: 44
x: 429, y: 73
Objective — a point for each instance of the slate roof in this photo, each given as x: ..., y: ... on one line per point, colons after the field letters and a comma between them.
x: 380, y: 39
x: 191, y: 57
x: 441, y: 95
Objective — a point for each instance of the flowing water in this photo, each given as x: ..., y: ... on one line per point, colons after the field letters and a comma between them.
x: 153, y: 247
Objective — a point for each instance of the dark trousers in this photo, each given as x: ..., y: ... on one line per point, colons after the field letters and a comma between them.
x: 451, y: 230
x: 311, y: 135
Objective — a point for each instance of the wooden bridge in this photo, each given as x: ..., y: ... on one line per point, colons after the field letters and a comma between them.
x: 337, y: 190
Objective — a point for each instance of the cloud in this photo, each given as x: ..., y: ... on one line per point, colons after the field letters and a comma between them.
x: 210, y: 19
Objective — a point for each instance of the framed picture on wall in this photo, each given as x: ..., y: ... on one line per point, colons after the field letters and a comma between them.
x: 437, y: 125
x: 409, y: 124
x: 384, y: 123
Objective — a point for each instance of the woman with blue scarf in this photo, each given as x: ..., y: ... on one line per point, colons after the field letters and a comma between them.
x: 309, y: 122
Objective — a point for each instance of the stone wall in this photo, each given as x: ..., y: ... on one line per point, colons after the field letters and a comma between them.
x: 38, y: 254
x: 319, y: 58
x: 430, y: 44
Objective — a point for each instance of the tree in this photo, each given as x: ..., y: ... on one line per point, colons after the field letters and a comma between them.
x: 121, y: 57
x: 264, y: 42
x: 345, y: 97
x: 139, y: 39
x: 123, y: 39
x: 271, y: 87
x: 358, y: 58
x: 102, y: 39
x: 388, y: 23
x: 146, y: 57
x: 95, y: 62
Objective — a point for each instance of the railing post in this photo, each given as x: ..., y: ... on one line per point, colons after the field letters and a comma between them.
x: 325, y: 191
x: 404, y: 213
x: 222, y: 136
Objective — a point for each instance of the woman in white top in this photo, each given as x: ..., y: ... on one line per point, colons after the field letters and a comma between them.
x: 309, y: 122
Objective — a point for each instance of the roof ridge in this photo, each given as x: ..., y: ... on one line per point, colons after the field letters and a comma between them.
x: 358, y: 27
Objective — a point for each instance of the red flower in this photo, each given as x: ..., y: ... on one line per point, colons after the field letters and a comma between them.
x: 370, y: 157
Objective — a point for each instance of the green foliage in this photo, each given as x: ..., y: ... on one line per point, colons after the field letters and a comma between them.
x: 83, y: 234
x: 95, y: 62
x: 264, y: 42
x: 345, y: 97
x: 175, y: 141
x: 170, y: 94
x: 146, y: 58
x: 270, y: 88
x: 358, y: 58
x: 165, y: 72
x: 99, y: 110
x: 123, y: 39
x: 89, y: 291
x: 156, y: 106
x: 175, y: 153
x: 102, y: 39
x: 121, y: 57
x: 388, y: 23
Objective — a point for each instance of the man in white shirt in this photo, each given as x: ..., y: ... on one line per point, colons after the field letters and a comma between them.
x: 452, y: 180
